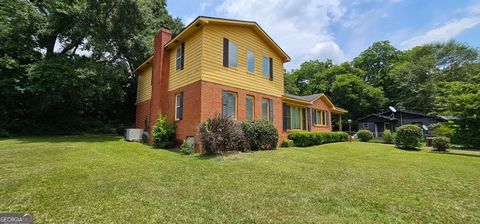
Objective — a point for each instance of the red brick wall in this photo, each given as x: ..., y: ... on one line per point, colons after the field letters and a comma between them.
x: 191, y: 110
x: 204, y: 99
x: 320, y: 104
x: 211, y: 98
x: 142, y: 113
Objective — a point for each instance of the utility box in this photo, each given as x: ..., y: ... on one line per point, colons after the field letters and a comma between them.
x: 133, y: 134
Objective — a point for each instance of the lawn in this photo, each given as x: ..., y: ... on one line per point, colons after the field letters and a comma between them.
x: 104, y: 179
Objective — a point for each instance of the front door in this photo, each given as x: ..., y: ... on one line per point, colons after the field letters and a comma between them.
x: 387, y: 126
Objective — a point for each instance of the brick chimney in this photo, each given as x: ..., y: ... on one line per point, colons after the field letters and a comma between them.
x: 160, y: 76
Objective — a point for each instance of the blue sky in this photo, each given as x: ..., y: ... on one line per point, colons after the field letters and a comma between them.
x: 340, y: 30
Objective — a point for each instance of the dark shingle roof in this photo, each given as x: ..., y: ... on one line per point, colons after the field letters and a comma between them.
x: 414, y: 113
x: 308, y: 98
x: 379, y: 116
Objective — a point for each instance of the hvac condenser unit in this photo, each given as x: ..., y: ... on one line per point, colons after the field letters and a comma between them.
x: 133, y: 134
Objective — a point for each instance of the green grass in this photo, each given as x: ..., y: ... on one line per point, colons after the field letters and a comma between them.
x: 94, y: 178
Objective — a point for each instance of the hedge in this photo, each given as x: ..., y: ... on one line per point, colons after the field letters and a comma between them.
x: 304, y: 139
x: 365, y: 135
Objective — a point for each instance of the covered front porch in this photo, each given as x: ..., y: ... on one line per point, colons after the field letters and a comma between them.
x: 309, y: 113
x: 339, y: 112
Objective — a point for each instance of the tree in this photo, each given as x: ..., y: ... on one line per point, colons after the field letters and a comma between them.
x: 377, y: 61
x: 316, y: 77
x: 414, y: 86
x: 454, y: 59
x: 68, y: 64
x: 422, y: 68
x: 290, y: 83
x: 302, y: 80
x: 461, y: 100
x: 355, y: 95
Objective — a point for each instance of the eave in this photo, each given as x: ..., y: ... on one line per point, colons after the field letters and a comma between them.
x: 302, y: 103
x: 295, y: 102
x: 144, y: 65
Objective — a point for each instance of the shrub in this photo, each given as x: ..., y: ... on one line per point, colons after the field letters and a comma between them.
x: 408, y: 136
x: 303, y: 139
x: 260, y: 134
x: 365, y: 135
x: 444, y: 130
x: 187, y: 147
x: 163, y: 133
x: 287, y: 143
x: 388, y: 137
x: 221, y: 134
x: 441, y: 143
x: 4, y: 133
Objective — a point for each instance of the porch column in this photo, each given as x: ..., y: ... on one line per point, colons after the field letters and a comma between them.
x: 340, y: 121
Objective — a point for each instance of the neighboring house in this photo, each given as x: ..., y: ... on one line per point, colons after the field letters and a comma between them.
x: 221, y: 66
x: 378, y: 123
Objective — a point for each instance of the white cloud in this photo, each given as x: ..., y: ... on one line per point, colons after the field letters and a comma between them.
x: 474, y: 9
x: 300, y: 27
x: 443, y: 33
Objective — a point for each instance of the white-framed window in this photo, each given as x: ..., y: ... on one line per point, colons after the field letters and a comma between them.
x: 232, y: 54
x: 179, y: 106
x: 229, y: 104
x: 179, y: 57
x: 267, y: 109
x: 365, y: 126
x: 250, y: 61
x: 266, y: 66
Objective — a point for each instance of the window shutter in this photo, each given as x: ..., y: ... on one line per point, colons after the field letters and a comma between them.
x: 180, y: 113
x: 271, y: 110
x: 327, y: 113
x: 225, y: 52
x: 314, y: 116
x: 309, y: 119
x: 224, y: 103
x: 271, y: 68
x: 304, y: 119
x: 182, y: 62
x: 286, y: 117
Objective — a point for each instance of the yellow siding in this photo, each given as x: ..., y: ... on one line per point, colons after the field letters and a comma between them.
x: 245, y: 38
x: 144, y: 85
x: 192, y: 64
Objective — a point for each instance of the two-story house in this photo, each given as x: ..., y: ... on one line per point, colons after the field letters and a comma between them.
x: 222, y: 66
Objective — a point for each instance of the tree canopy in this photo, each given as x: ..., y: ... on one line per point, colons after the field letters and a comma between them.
x: 66, y: 65
x: 437, y: 79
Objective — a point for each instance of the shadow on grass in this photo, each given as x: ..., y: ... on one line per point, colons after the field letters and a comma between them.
x: 82, y: 138
x: 409, y: 149
x: 207, y: 156
x: 455, y: 153
x: 227, y: 155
